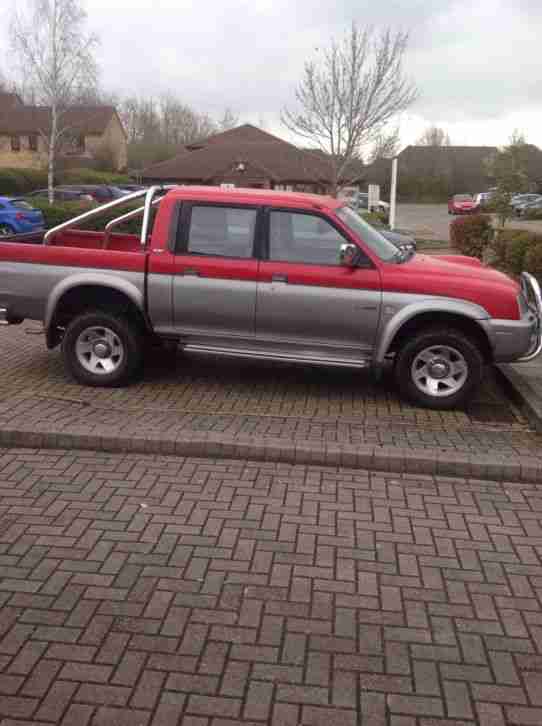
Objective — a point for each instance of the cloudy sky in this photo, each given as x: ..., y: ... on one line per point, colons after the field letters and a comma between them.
x: 476, y: 62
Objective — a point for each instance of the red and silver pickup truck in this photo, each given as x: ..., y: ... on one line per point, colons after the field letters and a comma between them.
x: 272, y: 275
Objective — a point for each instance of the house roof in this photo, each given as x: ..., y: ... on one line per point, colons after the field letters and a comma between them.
x: 35, y: 119
x: 217, y: 156
x: 9, y: 100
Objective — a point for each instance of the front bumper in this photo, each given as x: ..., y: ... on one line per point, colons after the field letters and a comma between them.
x: 520, y: 341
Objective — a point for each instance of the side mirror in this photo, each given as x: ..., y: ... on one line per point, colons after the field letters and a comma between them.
x: 348, y: 255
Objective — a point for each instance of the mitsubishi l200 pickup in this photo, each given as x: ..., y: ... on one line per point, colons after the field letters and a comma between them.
x: 266, y: 275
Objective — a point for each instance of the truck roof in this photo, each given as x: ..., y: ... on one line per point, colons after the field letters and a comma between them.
x: 255, y: 196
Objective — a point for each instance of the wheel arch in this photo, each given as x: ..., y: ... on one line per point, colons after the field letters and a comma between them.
x: 73, y: 296
x: 472, y: 321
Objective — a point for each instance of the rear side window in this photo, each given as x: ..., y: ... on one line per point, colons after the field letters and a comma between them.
x: 20, y: 204
x: 221, y: 231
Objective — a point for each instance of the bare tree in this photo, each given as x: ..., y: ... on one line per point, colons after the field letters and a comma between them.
x: 434, y: 136
x: 57, y: 54
x: 229, y: 120
x: 386, y: 145
x: 350, y: 93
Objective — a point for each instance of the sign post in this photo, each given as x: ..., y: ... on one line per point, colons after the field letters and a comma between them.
x: 393, y: 192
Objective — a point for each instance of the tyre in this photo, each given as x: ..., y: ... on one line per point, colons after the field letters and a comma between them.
x: 439, y: 368
x: 102, y: 349
x: 6, y: 230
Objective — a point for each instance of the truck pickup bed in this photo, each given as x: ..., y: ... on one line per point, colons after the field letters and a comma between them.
x: 265, y: 275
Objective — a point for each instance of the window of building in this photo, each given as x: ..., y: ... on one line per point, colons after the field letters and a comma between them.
x: 222, y: 231
x: 15, y: 143
x: 33, y: 142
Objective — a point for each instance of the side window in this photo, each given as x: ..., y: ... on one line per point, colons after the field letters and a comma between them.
x: 297, y: 237
x: 222, y: 231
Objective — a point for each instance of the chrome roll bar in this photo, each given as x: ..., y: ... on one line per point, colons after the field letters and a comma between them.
x: 533, y: 297
x: 149, y: 195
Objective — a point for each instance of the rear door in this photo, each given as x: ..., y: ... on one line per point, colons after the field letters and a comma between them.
x: 306, y: 299
x: 215, y: 272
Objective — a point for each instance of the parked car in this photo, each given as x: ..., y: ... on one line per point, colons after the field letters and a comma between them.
x: 523, y: 198
x: 100, y: 193
x: 330, y: 290
x: 402, y: 241
x: 523, y: 204
x: 63, y: 195
x: 131, y: 187
x: 462, y: 204
x: 360, y: 201
x: 18, y: 217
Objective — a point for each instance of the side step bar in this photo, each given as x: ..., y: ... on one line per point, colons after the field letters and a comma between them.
x: 267, y: 355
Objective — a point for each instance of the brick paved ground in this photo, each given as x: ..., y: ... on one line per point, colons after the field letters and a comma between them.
x: 179, y: 396
x: 142, y: 590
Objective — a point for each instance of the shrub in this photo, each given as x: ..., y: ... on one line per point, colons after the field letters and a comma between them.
x: 91, y: 176
x: 470, y: 235
x: 511, y: 248
x: 533, y: 214
x: 15, y: 182
x: 376, y: 219
x: 515, y: 251
x: 533, y: 260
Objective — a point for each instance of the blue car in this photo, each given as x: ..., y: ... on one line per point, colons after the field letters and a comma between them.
x: 18, y: 217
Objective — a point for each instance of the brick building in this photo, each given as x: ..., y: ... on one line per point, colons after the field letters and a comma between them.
x: 93, y: 133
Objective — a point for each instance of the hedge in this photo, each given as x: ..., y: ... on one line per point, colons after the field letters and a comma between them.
x: 17, y: 182
x: 516, y: 250
x: 91, y: 176
x: 470, y: 235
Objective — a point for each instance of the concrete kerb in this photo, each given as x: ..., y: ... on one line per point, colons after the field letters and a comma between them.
x: 523, y: 394
x: 377, y: 458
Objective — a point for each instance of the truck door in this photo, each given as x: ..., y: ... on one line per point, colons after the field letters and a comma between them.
x: 215, y: 271
x: 306, y: 299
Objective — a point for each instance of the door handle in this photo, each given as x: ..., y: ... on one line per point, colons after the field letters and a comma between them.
x: 279, y: 278
x: 192, y: 271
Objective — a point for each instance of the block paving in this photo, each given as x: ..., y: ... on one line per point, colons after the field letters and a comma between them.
x: 181, y: 396
x: 144, y: 590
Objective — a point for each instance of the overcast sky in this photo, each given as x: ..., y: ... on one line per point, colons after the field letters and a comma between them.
x: 476, y: 62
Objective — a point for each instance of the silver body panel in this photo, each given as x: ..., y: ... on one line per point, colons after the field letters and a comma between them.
x: 31, y: 290
x: 313, y: 317
x: 213, y: 306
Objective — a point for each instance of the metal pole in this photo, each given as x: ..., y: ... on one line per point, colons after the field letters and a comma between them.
x: 393, y: 192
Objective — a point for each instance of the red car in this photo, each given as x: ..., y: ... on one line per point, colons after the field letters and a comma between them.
x: 462, y: 204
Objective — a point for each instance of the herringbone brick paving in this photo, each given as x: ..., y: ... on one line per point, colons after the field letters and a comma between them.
x: 183, y: 396
x: 151, y: 590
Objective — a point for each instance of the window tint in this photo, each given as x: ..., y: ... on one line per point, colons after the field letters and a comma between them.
x: 222, y: 231
x: 295, y: 237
